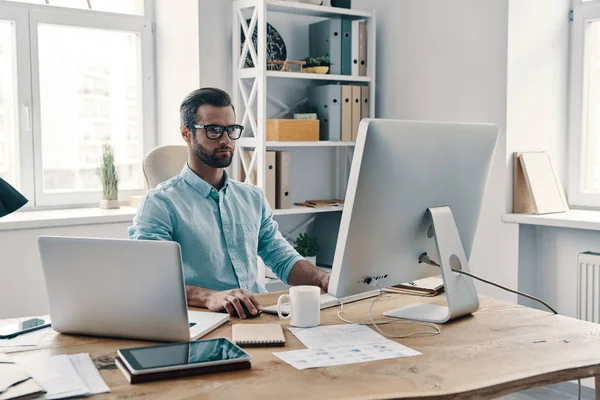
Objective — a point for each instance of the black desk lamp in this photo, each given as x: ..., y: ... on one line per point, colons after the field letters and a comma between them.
x: 10, y: 199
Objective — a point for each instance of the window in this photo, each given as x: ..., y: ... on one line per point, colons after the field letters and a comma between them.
x: 584, y: 115
x: 8, y: 102
x: 90, y: 82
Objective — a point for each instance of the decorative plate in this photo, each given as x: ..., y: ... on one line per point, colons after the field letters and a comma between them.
x: 276, y: 50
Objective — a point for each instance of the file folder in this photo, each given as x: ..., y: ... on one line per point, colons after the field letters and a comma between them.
x: 284, y: 180
x: 365, y: 111
x: 362, y: 48
x: 355, y: 40
x: 346, y: 113
x: 271, y: 171
x: 325, y: 39
x: 356, y: 110
x: 326, y: 100
x: 346, y: 47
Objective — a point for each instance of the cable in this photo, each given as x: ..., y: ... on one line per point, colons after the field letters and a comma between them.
x: 391, y: 321
x: 579, y: 389
x: 424, y: 258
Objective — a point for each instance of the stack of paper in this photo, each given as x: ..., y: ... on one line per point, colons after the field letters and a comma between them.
x: 67, y: 376
x: 15, y: 382
x: 341, y: 344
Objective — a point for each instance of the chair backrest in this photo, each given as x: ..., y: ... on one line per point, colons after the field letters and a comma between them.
x: 162, y: 163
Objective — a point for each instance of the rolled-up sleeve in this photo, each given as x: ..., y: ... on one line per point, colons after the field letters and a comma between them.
x: 153, y: 220
x: 276, y: 252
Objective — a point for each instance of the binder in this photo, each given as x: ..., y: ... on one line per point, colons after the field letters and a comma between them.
x: 346, y: 47
x: 362, y: 48
x: 346, y: 113
x: 325, y: 38
x: 283, y: 168
x: 257, y: 335
x: 270, y: 182
x: 365, y: 109
x: 355, y: 38
x: 356, y: 110
x: 326, y: 100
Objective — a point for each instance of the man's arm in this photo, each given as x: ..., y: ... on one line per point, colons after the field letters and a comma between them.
x: 305, y: 273
x: 282, y: 258
x: 153, y: 222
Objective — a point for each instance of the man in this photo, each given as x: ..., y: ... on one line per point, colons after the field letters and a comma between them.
x: 221, y: 225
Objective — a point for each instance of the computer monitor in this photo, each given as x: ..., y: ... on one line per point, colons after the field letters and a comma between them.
x: 409, y: 182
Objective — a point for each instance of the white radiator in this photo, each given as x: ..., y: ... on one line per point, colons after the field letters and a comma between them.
x: 588, y: 286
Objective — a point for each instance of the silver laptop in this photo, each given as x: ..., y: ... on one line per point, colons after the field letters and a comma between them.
x: 120, y: 288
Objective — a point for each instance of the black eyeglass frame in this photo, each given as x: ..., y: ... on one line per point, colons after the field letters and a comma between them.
x: 230, y: 129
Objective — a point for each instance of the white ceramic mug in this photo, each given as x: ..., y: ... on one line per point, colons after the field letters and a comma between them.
x: 304, y: 306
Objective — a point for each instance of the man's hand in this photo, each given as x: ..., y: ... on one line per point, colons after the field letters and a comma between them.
x: 231, y: 301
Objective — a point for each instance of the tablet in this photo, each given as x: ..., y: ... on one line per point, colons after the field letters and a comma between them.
x: 183, y: 355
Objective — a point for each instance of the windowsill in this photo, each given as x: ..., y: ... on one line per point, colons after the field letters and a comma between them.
x: 572, y: 219
x: 76, y: 216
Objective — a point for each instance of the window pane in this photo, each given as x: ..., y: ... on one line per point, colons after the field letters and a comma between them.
x: 8, y: 104
x: 90, y: 88
x: 591, y: 142
x: 115, y: 6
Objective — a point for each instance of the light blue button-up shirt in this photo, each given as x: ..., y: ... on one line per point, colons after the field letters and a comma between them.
x: 220, y: 232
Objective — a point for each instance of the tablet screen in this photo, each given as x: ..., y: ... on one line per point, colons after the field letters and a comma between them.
x: 188, y: 353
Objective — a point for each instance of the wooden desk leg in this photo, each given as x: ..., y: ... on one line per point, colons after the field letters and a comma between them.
x: 598, y: 387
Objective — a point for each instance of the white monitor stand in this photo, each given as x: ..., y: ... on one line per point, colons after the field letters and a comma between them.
x: 461, y: 294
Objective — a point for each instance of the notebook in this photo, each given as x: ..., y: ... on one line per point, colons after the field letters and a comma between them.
x: 257, y: 335
x: 428, y: 287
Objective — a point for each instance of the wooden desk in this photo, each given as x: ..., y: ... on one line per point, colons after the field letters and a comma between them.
x: 502, y: 348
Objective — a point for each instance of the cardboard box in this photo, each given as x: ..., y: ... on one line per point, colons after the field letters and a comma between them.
x: 292, y: 130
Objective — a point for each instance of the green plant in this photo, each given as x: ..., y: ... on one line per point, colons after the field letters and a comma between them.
x: 108, y: 174
x: 323, y: 61
x: 306, y: 245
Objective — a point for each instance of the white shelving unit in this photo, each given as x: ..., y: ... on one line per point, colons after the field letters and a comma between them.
x: 250, y: 89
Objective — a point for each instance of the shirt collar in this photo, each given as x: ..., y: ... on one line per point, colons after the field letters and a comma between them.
x: 201, y: 186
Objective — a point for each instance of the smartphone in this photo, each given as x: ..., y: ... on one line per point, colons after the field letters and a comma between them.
x: 12, y: 330
x: 183, y: 355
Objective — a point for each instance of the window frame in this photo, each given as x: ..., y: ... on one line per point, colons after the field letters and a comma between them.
x: 30, y: 151
x: 583, y: 13
x: 24, y: 139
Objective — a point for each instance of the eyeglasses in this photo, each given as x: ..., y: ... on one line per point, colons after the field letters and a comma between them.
x: 214, y: 131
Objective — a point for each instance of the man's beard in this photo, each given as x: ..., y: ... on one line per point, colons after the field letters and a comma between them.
x: 212, y: 158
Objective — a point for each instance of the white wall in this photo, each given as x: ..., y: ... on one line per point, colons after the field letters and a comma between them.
x: 538, y: 54
x: 22, y: 288
x: 177, y: 62
x: 447, y: 61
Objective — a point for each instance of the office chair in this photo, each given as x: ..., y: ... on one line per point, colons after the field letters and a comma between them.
x: 162, y: 163
x: 10, y: 199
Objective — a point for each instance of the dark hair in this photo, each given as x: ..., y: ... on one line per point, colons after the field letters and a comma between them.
x: 191, y: 103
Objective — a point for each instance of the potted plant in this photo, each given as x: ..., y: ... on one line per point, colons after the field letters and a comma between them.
x: 322, y: 65
x: 109, y: 179
x: 307, y: 247
x: 309, y: 67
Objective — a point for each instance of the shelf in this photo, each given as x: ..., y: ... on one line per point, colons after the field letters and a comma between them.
x: 572, y: 219
x: 251, y: 142
x: 296, y: 210
x: 247, y: 73
x: 289, y: 7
